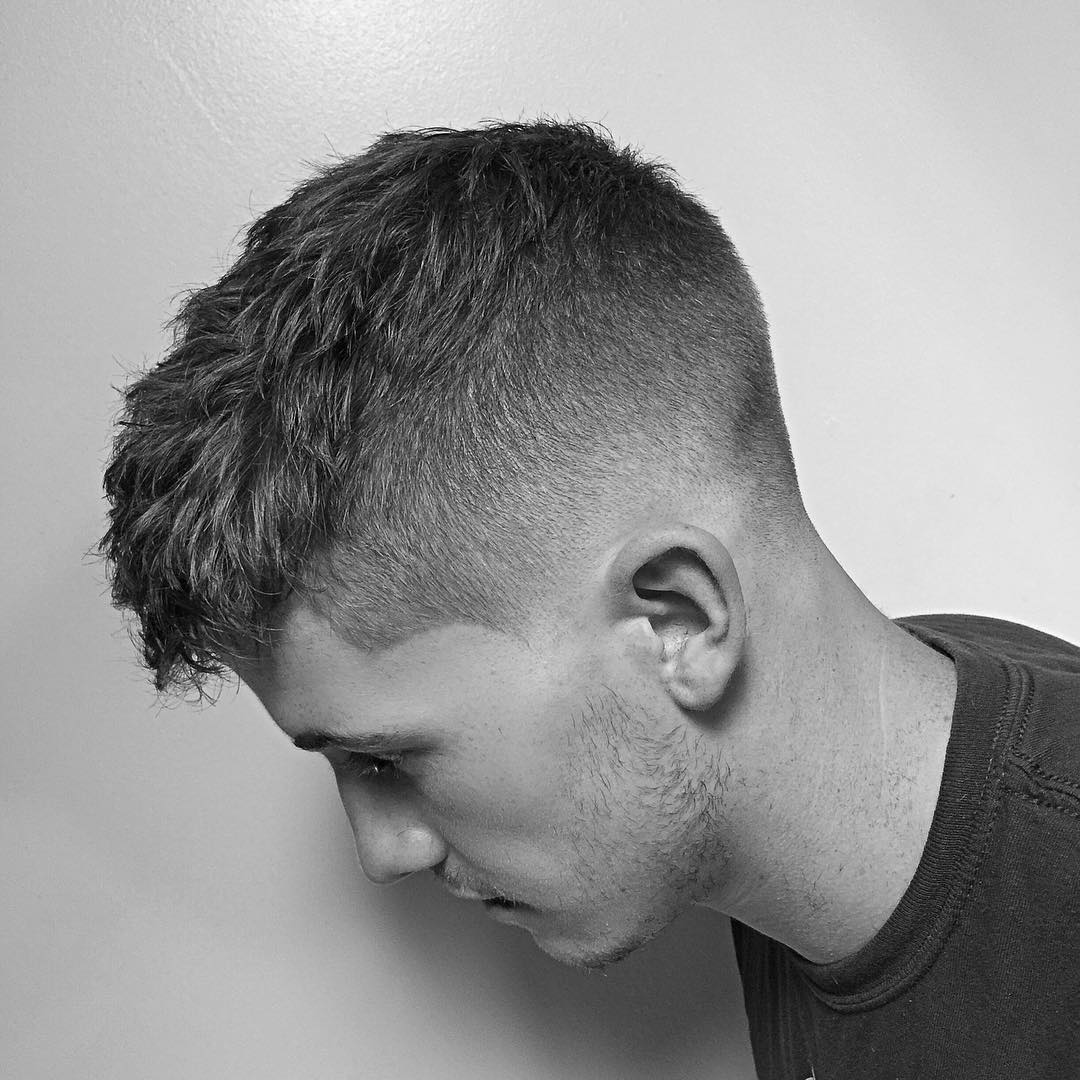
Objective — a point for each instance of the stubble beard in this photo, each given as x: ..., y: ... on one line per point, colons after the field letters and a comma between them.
x: 650, y: 825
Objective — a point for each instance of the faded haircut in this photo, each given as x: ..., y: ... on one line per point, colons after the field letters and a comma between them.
x: 427, y: 368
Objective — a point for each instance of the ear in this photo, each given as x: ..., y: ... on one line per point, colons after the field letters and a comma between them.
x: 683, y: 581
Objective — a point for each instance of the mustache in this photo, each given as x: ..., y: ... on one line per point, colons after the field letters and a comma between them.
x: 455, y: 881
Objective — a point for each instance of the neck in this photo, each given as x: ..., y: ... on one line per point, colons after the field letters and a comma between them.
x: 843, y: 778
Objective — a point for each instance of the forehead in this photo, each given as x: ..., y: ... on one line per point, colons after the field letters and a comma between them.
x: 315, y: 677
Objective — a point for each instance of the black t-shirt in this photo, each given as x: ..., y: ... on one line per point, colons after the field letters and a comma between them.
x: 976, y: 974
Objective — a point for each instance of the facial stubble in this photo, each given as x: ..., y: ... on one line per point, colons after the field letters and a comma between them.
x: 648, y: 798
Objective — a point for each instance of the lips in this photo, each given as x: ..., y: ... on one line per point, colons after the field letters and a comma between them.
x: 465, y: 894
x: 489, y: 897
x: 502, y: 902
x: 489, y: 900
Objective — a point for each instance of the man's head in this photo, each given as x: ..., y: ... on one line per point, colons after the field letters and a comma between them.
x: 422, y: 461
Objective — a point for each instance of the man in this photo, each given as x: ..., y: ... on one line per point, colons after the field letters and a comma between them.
x: 473, y: 468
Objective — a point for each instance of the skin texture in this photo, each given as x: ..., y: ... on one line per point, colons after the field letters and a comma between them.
x: 673, y: 730
x: 551, y: 790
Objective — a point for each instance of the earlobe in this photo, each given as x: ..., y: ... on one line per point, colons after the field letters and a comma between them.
x: 700, y: 675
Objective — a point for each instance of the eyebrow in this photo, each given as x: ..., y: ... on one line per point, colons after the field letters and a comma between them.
x: 381, y: 742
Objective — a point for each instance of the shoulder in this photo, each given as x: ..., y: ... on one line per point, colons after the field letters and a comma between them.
x: 1045, y: 745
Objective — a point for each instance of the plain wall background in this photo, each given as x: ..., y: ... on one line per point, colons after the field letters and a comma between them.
x: 179, y: 895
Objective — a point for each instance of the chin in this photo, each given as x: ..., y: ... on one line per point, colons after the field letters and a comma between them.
x: 595, y: 955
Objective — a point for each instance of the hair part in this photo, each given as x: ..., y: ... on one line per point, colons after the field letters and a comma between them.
x: 428, y: 367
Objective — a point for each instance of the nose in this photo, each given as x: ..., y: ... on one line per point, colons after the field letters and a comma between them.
x: 392, y: 840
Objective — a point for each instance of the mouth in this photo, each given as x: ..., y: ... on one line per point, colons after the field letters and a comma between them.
x: 492, y: 901
x: 503, y: 909
x: 503, y: 902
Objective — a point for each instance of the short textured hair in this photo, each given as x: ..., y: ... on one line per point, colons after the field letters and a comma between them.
x: 426, y: 369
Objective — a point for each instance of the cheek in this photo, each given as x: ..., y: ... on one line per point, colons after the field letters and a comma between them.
x: 508, y: 777
x: 504, y: 792
x: 503, y: 802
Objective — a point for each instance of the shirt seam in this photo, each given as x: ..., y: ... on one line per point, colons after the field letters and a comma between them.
x: 1034, y: 785
x: 1039, y: 775
x: 1045, y: 803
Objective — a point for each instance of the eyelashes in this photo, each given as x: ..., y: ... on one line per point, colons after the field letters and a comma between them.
x: 368, y: 765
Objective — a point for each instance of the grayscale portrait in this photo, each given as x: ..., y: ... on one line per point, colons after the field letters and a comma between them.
x: 608, y: 472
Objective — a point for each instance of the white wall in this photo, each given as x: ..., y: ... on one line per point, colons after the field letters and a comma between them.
x: 178, y: 895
